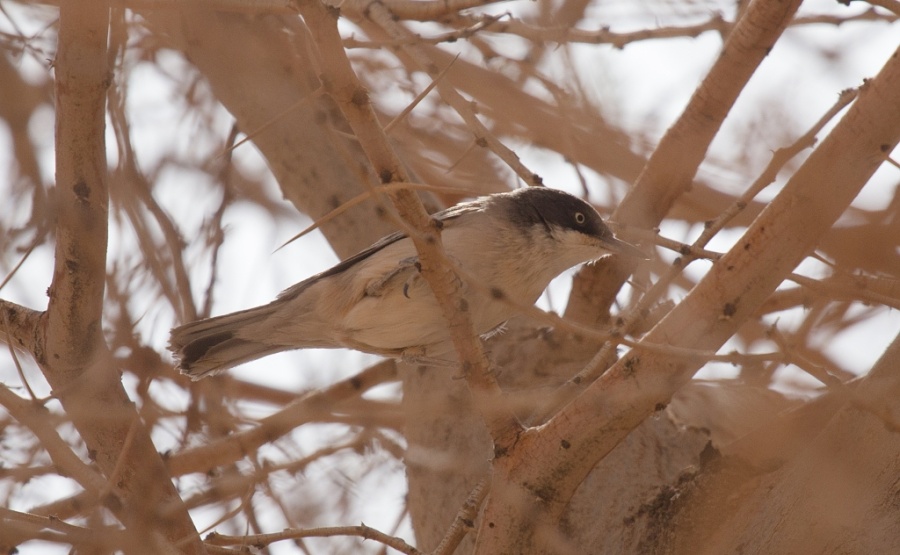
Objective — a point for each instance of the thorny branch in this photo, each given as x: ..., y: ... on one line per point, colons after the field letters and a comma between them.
x: 344, y: 86
x: 360, y: 531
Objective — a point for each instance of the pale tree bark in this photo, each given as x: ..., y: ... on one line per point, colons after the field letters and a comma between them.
x: 277, y: 101
x: 669, y: 173
x: 534, y: 483
x: 831, y: 489
x: 67, y: 339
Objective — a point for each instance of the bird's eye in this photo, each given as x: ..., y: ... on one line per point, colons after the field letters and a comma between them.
x: 579, y: 218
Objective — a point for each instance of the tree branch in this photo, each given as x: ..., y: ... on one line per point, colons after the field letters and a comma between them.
x: 73, y: 354
x: 343, y: 85
x: 20, y: 327
x: 361, y: 531
x: 532, y: 487
x: 316, y: 404
x: 670, y: 171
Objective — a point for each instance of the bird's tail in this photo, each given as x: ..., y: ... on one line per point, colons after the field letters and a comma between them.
x: 207, y: 347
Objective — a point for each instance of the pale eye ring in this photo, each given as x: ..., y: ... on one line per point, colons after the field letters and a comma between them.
x: 579, y: 218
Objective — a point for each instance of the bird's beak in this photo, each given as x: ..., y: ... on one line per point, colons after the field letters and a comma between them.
x: 621, y: 247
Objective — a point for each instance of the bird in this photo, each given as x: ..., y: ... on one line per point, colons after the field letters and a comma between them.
x: 513, y: 243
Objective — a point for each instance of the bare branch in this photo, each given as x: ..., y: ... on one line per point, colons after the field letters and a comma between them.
x: 18, y: 526
x: 640, y: 383
x: 464, y: 522
x: 36, y: 418
x: 361, y: 531
x: 416, y: 9
x: 353, y: 100
x: 482, y: 135
x: 568, y: 34
x: 313, y: 406
x: 21, y: 327
x: 670, y: 171
x: 73, y: 355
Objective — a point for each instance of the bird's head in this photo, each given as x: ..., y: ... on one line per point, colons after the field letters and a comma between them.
x: 564, y: 225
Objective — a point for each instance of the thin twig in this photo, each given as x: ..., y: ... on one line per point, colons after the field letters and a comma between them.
x: 107, y: 539
x: 309, y: 407
x: 779, y: 159
x: 277, y: 118
x: 419, y: 98
x: 360, y: 531
x: 381, y: 16
x: 39, y: 421
x: 464, y: 522
x: 366, y: 195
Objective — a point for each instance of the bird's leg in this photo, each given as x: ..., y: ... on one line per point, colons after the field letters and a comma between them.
x: 376, y: 288
x: 419, y: 356
x: 411, y: 280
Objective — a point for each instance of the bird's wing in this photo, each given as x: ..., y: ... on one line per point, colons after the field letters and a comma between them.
x: 443, y: 216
